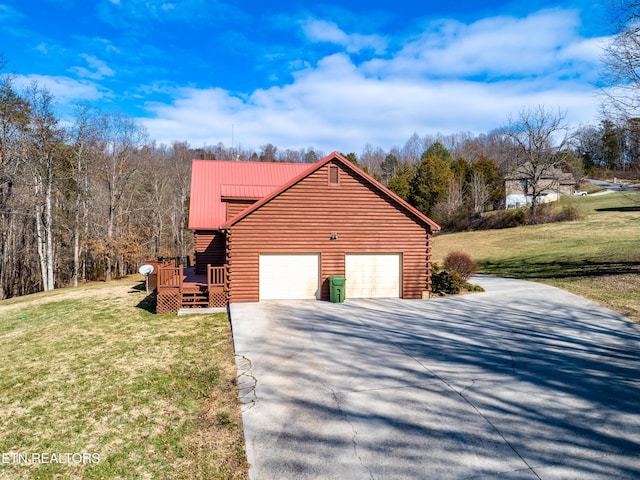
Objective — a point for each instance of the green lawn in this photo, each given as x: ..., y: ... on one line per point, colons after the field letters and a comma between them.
x: 129, y: 394
x: 597, y: 257
x: 89, y: 371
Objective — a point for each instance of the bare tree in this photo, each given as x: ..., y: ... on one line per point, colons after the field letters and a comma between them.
x: 455, y: 197
x: 14, y: 118
x: 269, y: 153
x: 371, y: 158
x: 181, y: 180
x: 479, y: 191
x: 45, y: 140
x: 540, y: 138
x: 621, y: 59
x: 388, y: 168
x: 412, y: 150
x: 290, y: 155
x: 120, y: 139
x: 83, y: 137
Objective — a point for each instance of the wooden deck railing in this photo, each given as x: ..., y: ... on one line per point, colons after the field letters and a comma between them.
x: 171, y: 277
x: 215, y: 276
x: 177, y: 290
x: 157, y: 265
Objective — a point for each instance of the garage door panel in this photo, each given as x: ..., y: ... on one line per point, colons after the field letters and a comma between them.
x: 289, y: 276
x: 373, y: 275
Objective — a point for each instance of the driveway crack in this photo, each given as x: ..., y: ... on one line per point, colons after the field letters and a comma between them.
x: 513, y: 360
x: 470, y: 403
x: 354, y: 437
x: 471, y: 385
x: 247, y: 383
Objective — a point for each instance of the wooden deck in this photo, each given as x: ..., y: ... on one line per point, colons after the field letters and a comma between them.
x: 180, y: 287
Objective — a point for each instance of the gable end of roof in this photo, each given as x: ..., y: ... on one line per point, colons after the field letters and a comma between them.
x: 336, y: 157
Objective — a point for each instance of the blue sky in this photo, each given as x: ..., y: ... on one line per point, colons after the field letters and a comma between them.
x: 333, y: 76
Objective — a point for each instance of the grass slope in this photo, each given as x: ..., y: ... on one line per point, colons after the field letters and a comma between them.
x: 597, y: 257
x: 91, y: 371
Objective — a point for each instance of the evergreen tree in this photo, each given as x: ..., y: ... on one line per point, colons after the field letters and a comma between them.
x: 610, y: 144
x: 400, y: 183
x: 352, y: 158
x: 431, y: 182
x: 388, y: 167
x: 439, y: 151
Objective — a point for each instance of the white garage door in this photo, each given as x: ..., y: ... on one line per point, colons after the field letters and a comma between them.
x: 370, y: 276
x: 289, y: 276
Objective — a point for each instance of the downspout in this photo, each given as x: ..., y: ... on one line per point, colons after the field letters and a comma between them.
x: 227, y: 262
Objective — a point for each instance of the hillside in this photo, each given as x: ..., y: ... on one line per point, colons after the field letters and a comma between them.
x: 597, y: 257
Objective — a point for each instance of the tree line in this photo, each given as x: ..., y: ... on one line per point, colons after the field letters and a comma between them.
x: 90, y: 198
x: 85, y: 201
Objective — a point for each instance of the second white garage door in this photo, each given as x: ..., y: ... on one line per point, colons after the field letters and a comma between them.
x: 373, y: 275
x: 289, y: 276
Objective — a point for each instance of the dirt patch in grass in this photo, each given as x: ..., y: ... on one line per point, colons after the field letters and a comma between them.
x: 87, y: 372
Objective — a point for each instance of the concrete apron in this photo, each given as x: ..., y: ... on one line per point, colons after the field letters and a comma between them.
x: 523, y: 381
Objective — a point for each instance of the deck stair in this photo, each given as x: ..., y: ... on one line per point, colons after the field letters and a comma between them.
x: 180, y: 288
x: 197, y: 296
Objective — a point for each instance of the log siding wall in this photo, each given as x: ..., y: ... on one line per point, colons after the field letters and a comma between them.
x: 210, y: 244
x: 210, y: 249
x: 234, y: 207
x: 302, y: 219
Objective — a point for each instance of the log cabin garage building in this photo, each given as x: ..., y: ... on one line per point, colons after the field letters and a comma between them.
x: 282, y: 229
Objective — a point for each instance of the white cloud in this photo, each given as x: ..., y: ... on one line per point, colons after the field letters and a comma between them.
x: 453, y: 78
x: 496, y: 47
x: 97, y: 68
x: 42, y: 48
x: 323, y: 31
x: 132, y: 12
x: 344, y: 115
x: 585, y: 50
x: 8, y: 13
x: 65, y: 90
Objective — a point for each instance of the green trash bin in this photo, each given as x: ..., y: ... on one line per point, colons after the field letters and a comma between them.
x: 337, y: 288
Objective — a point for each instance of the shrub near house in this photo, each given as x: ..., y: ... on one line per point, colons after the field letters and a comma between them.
x: 458, y: 268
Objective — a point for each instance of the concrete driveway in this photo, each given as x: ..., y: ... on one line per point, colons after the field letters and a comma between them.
x: 524, y: 381
x: 611, y: 187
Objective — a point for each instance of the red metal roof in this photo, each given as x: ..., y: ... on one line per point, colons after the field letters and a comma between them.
x: 254, y: 192
x: 211, y: 180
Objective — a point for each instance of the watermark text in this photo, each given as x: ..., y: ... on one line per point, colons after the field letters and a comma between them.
x: 23, y: 458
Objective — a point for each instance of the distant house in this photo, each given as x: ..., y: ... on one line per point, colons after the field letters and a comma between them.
x: 280, y: 230
x: 552, y: 184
